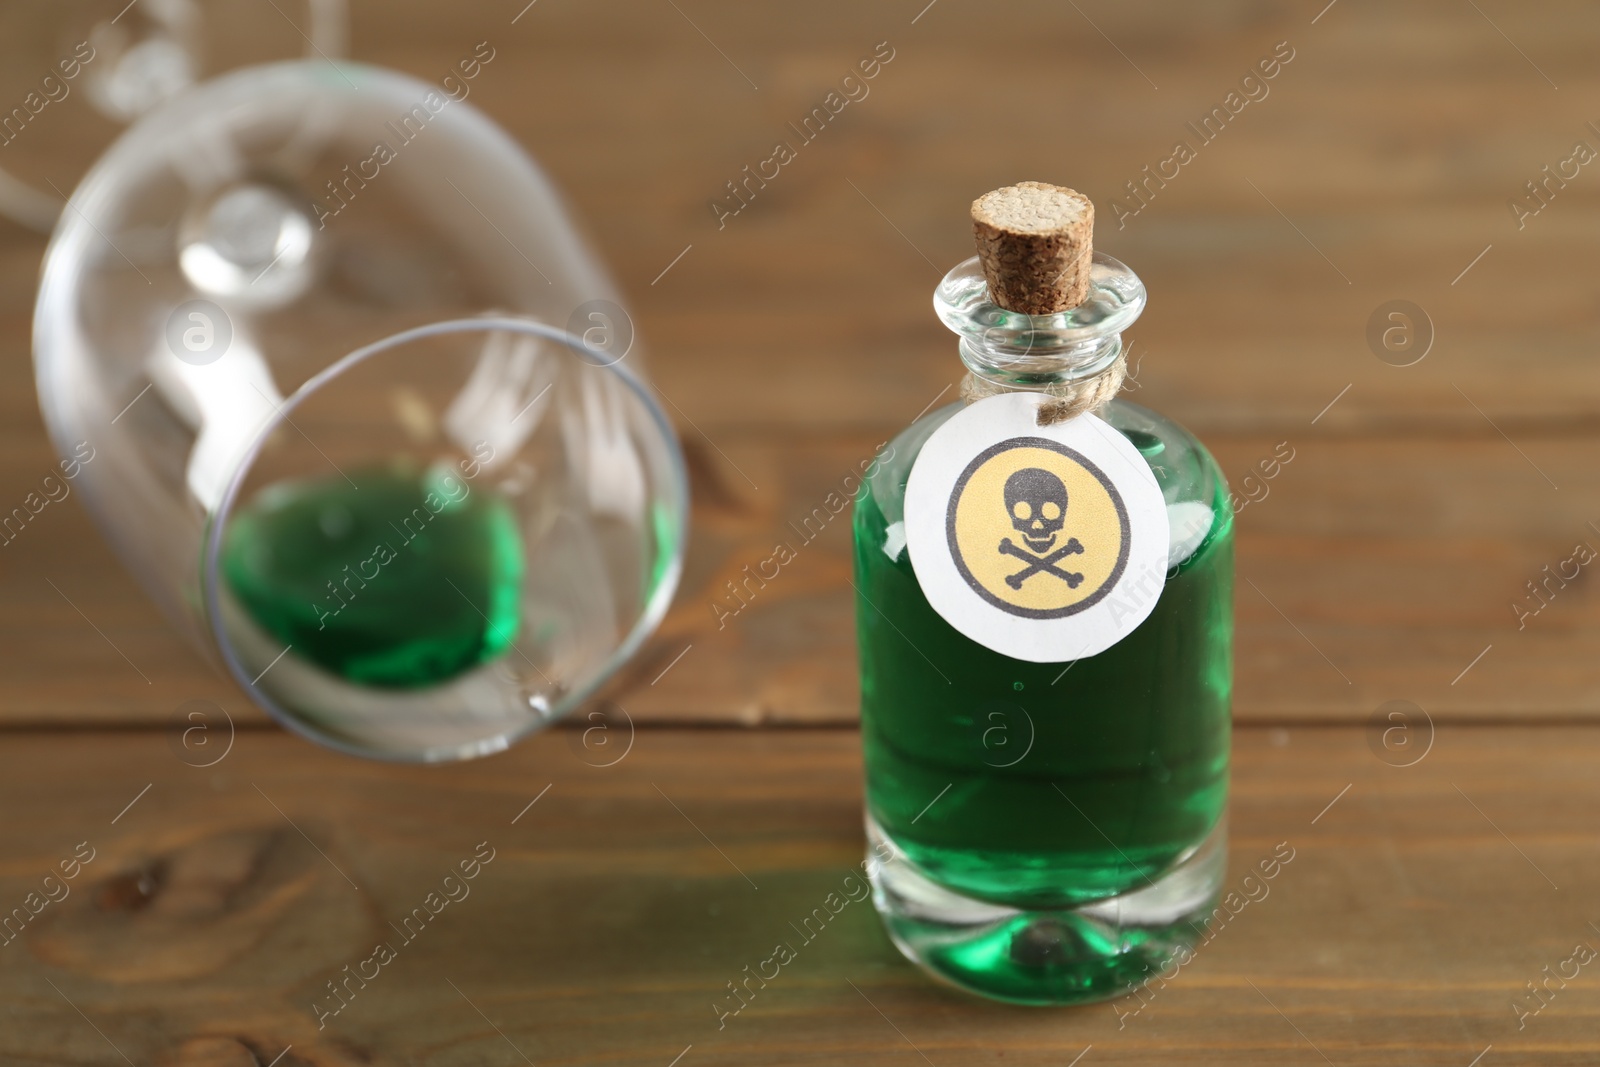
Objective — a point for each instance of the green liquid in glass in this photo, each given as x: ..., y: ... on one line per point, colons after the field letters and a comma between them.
x: 404, y: 582
x: 1045, y: 785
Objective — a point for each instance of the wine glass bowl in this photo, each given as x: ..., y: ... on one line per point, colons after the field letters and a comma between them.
x: 445, y: 540
x: 303, y: 310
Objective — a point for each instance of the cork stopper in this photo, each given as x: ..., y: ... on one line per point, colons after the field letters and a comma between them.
x: 1035, y: 242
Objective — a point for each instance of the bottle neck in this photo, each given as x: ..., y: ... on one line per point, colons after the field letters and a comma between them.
x: 1040, y: 368
x: 1060, y: 353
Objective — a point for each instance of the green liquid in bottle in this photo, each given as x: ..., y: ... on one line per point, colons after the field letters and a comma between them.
x: 1046, y: 786
x: 405, y: 582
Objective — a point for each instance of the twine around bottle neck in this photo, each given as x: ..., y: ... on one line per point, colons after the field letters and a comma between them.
x: 1068, y: 399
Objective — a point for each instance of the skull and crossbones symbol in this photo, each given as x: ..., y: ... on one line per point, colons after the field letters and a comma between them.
x: 1036, y: 501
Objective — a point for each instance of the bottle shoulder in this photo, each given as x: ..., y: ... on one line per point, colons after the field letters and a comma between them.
x: 1196, y: 492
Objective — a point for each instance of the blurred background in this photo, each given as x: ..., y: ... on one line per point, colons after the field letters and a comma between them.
x: 790, y: 331
x: 1372, y: 294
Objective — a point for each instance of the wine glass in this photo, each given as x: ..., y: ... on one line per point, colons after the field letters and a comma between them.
x: 360, y: 409
x: 74, y: 73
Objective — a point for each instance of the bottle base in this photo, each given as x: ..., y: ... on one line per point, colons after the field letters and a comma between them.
x: 1075, y: 955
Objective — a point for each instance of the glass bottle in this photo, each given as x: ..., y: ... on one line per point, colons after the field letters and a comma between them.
x: 1047, y: 833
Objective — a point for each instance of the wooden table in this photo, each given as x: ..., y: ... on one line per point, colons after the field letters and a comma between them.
x: 1384, y: 563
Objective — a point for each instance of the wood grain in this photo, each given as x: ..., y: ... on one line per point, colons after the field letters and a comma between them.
x: 1382, y: 564
x: 798, y: 335
x: 1372, y: 569
x: 618, y: 905
x: 1392, y: 143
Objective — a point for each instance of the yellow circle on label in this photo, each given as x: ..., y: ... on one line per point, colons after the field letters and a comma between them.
x: 1037, y: 529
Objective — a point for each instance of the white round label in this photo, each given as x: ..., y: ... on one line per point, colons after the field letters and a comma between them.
x: 1044, y: 543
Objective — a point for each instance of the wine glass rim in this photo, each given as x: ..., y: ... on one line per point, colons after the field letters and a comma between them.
x: 649, y: 618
